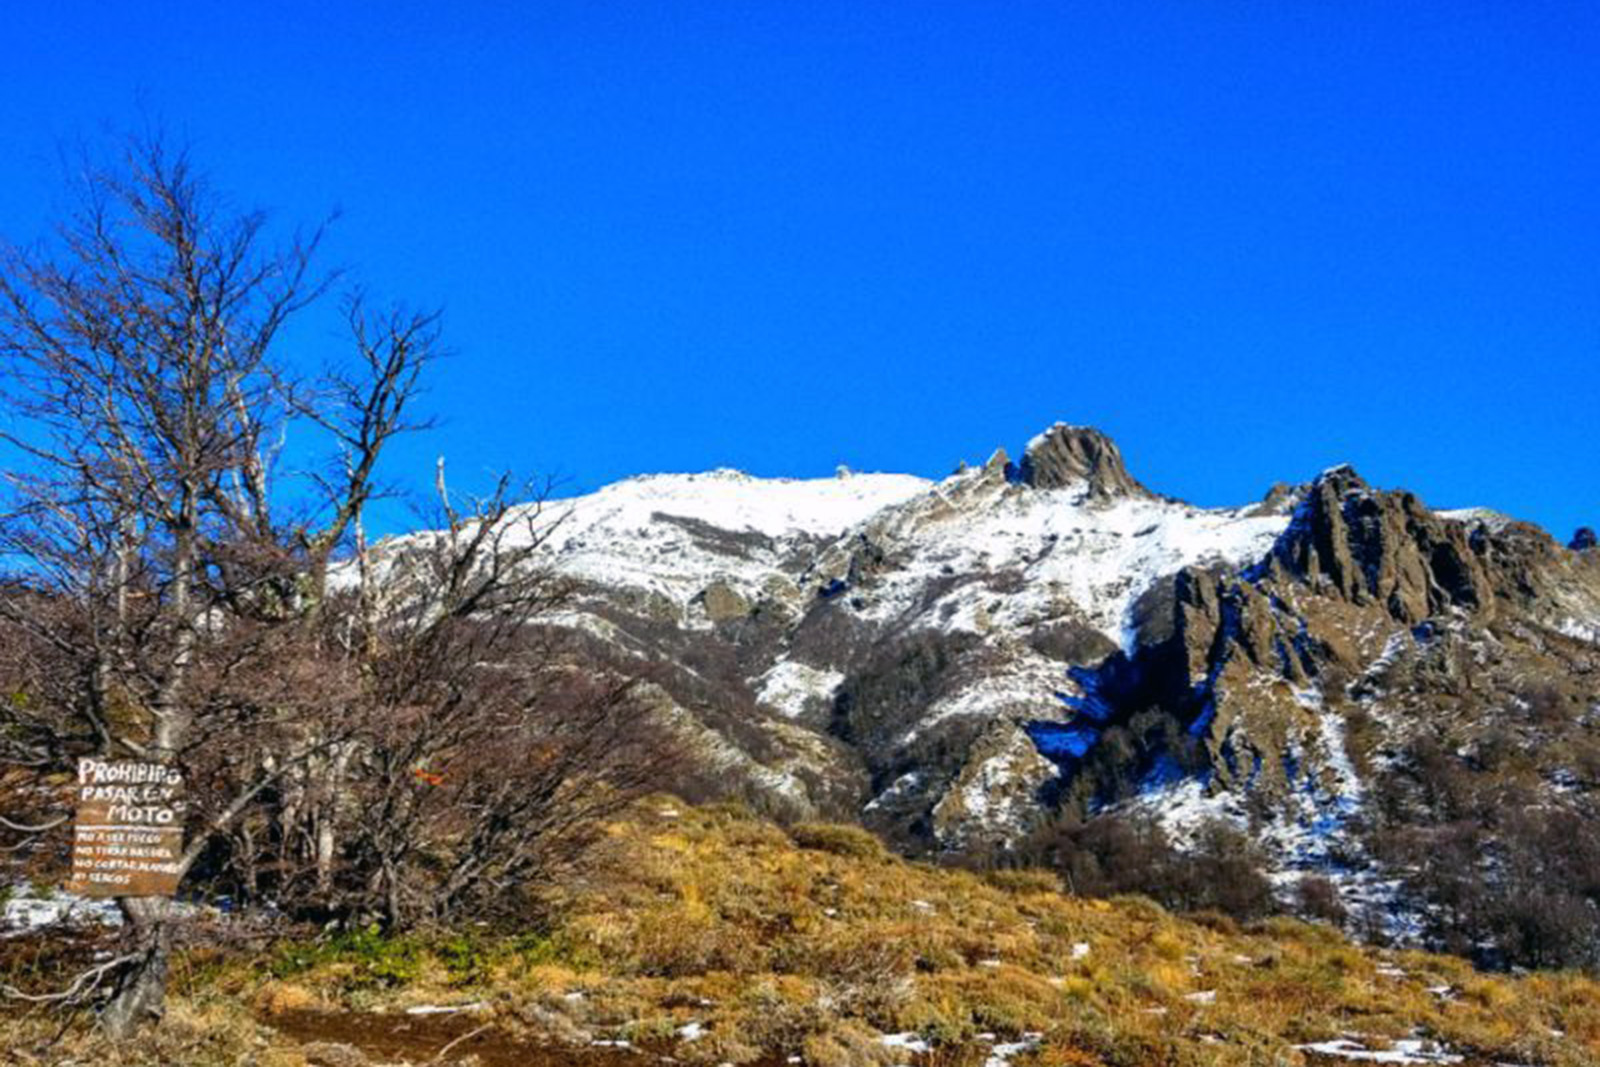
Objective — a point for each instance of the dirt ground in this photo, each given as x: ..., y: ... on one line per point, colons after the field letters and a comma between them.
x: 433, y: 1039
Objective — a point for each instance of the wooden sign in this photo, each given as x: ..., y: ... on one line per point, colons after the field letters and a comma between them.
x: 128, y: 832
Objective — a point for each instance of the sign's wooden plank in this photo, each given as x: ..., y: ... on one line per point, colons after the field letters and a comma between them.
x: 128, y: 829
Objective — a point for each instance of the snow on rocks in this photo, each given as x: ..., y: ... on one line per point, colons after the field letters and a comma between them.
x: 1582, y: 630
x: 995, y: 794
x: 1092, y: 556
x: 733, y: 500
x: 1494, y: 520
x: 789, y: 686
x: 673, y: 535
x: 1025, y: 688
x: 1183, y: 805
x: 1305, y: 837
x: 618, y: 536
x: 902, y: 787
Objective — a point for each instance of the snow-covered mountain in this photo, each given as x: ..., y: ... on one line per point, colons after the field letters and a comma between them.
x: 948, y: 661
x: 811, y: 595
x: 672, y: 536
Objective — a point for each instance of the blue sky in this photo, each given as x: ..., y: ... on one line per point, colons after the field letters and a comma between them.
x: 1248, y: 239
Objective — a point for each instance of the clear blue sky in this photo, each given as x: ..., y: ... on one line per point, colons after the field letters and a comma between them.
x: 1249, y: 239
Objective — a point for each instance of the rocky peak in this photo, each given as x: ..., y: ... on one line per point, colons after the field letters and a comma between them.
x: 1381, y: 547
x: 1067, y: 456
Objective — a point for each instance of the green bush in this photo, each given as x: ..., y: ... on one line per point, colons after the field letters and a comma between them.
x: 376, y: 959
x: 466, y: 961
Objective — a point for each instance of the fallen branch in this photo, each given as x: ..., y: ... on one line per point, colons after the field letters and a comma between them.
x: 442, y: 1053
x: 23, y: 828
x: 81, y: 987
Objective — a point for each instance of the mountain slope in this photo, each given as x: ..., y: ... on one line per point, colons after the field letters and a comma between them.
x: 706, y: 936
x: 951, y: 661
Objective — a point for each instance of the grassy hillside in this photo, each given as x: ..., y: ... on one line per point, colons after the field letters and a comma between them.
x: 714, y: 937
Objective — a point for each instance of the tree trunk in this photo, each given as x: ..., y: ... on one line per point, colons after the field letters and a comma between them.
x: 328, y: 816
x: 141, y: 990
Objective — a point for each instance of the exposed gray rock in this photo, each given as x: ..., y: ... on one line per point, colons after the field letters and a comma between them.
x: 333, y: 1054
x: 723, y: 602
x: 1066, y: 456
x: 1385, y: 548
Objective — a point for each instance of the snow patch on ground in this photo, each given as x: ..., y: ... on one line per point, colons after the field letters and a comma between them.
x: 1408, y: 1050
x: 1006, y: 1051
x: 1581, y: 630
x: 28, y: 909
x: 1000, y: 1053
x: 906, y: 1042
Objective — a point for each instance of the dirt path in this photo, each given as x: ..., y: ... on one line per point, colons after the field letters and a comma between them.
x: 419, y: 1039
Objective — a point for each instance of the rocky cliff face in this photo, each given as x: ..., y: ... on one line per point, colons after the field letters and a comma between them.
x: 1382, y: 548
x: 948, y: 661
x: 1081, y: 458
x: 1371, y: 615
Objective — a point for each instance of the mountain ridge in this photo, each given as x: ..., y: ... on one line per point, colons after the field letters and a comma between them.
x: 956, y: 662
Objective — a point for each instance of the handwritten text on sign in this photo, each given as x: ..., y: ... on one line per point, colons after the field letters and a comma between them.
x: 128, y: 834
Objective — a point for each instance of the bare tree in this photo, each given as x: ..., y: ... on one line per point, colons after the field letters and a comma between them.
x: 178, y: 596
x: 488, y: 756
x: 477, y: 756
x: 146, y: 396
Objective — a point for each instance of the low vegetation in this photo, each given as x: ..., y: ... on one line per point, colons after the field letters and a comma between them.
x: 717, y: 937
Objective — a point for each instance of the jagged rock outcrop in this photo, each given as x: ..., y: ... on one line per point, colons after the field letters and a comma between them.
x: 1069, y: 456
x: 1351, y: 548
x: 1385, y: 548
x: 1247, y: 661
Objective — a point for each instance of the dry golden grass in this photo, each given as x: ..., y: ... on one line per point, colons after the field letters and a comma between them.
x: 715, y: 918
